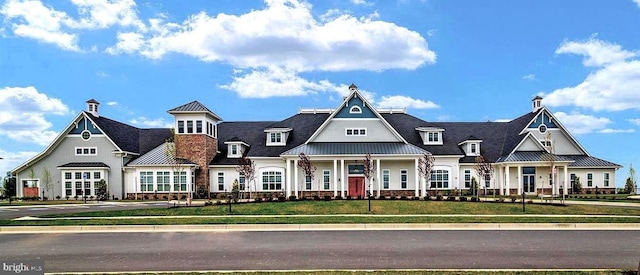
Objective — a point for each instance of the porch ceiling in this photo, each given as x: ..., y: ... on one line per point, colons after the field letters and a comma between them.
x: 349, y: 148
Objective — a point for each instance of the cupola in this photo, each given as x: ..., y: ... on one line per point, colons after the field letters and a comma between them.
x: 92, y: 107
x: 537, y: 103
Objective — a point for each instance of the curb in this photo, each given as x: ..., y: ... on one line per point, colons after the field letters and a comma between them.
x: 316, y: 227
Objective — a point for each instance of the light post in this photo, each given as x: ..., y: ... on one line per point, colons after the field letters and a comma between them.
x: 369, y: 196
x: 84, y: 179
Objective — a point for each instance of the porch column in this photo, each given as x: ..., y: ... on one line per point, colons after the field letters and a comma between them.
x: 378, y: 173
x: 507, y: 179
x: 295, y: 176
x: 417, y: 178
x: 566, y: 180
x: 335, y: 177
x: 288, y: 178
x: 520, y: 189
x: 342, y: 194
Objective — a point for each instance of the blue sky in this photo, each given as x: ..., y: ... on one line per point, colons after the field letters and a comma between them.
x: 262, y: 60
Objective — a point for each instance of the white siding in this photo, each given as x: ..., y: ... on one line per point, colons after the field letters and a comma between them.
x: 376, y: 131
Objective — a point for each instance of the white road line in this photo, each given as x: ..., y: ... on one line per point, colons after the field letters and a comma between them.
x: 9, y: 209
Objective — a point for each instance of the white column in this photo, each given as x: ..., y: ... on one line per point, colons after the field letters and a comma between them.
x: 378, y: 173
x: 295, y: 176
x: 520, y: 189
x: 417, y: 178
x: 288, y: 178
x: 343, y: 178
x: 566, y: 180
x: 335, y: 177
x: 507, y: 180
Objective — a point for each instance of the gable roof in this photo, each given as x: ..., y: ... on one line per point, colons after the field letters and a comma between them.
x: 355, y: 93
x: 546, y: 111
x: 157, y: 156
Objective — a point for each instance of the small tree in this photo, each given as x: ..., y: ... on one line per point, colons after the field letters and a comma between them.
x: 484, y: 169
x: 550, y: 159
x: 9, y: 187
x: 175, y: 163
x: 307, y: 167
x: 235, y: 190
x: 247, y: 167
x: 630, y: 184
x: 47, y: 180
x: 369, y: 170
x: 425, y: 166
x: 102, y: 194
x: 577, y: 186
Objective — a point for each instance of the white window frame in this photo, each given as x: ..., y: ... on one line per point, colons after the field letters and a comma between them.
x: 221, y: 181
x: 272, y: 139
x: 275, y: 174
x: 86, y: 148
x: 436, y: 140
x: 589, y: 181
x: 386, y: 178
x: 355, y: 132
x: 353, y: 110
x: 467, y: 172
x: 606, y: 178
x: 404, y: 184
x: 326, y: 179
x: 474, y: 151
x: 435, y: 172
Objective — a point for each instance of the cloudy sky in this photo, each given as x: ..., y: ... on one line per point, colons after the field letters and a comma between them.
x: 263, y: 59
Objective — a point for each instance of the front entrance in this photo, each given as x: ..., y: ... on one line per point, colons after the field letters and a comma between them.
x: 529, y: 183
x: 356, y: 187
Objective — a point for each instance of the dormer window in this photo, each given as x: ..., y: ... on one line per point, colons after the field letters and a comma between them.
x: 277, y: 136
x: 431, y: 135
x: 234, y: 149
x: 471, y: 146
x: 474, y: 149
x: 355, y: 110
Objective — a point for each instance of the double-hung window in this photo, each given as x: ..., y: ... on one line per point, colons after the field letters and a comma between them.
x: 326, y: 179
x: 403, y: 178
x: 220, y: 181
x: 386, y: 175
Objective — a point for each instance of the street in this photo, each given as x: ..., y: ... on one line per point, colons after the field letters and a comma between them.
x: 543, y: 249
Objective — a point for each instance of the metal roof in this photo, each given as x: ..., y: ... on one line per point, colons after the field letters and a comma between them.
x: 533, y: 157
x: 586, y: 161
x: 193, y: 107
x: 84, y: 165
x: 157, y: 156
x: 345, y: 148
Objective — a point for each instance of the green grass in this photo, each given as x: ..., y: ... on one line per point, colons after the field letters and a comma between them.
x: 386, y: 207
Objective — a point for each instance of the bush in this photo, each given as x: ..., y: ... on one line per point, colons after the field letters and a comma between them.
x: 293, y: 198
x: 403, y: 197
x: 416, y: 198
x: 165, y: 197
x: 451, y: 198
x: 513, y: 198
x: 474, y: 199
x: 426, y: 198
x: 57, y: 197
x: 145, y: 197
x: 349, y: 198
x: 463, y: 198
x: 392, y: 197
x: 218, y: 202
x: 588, y: 192
x: 382, y: 197
x: 327, y: 198
x: 258, y: 199
x: 282, y: 198
x: 500, y: 200
x: 438, y: 197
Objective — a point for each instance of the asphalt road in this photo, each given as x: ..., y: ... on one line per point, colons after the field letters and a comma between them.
x: 9, y: 212
x: 102, y: 252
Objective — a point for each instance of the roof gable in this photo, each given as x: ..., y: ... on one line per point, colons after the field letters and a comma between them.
x: 545, y: 116
x: 345, y: 112
x: 529, y: 143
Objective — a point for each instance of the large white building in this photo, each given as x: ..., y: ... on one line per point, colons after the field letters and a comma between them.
x: 133, y: 160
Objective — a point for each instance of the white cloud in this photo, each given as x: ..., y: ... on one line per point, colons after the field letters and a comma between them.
x: 635, y: 121
x: 144, y: 122
x: 128, y: 42
x: 23, y: 116
x: 637, y: 2
x: 597, y: 53
x: 361, y: 2
x: 399, y: 101
x: 13, y: 159
x: 529, y: 77
x: 268, y: 37
x: 112, y: 103
x: 32, y: 19
x: 582, y: 124
x: 102, y: 74
x: 612, y: 87
x: 616, y: 131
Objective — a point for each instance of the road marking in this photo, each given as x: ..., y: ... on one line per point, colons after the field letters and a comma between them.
x: 39, y: 209
x: 8, y: 209
x: 105, y: 206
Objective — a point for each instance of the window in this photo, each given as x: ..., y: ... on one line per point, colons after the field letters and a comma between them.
x: 241, y: 180
x: 385, y: 178
x: 271, y: 180
x: 97, y: 175
x: 326, y: 179
x: 433, y: 137
x: 589, y: 180
x: 573, y: 180
x: 606, y: 179
x: 67, y: 175
x: 86, y: 135
x: 78, y: 187
x: 164, y: 181
x: 189, y: 127
x: 220, y: 181
x: 86, y: 151
x: 234, y: 149
x: 307, y: 182
x: 355, y: 110
x: 180, y: 127
x: 78, y: 175
x: 550, y: 179
x: 211, y: 130
x: 403, y: 179
x: 487, y: 180
x: 467, y: 178
x: 542, y: 128
x: 67, y: 189
x: 146, y: 181
x: 356, y: 132
x: 474, y: 148
x: 440, y: 179
x: 276, y: 137
x: 86, y: 176
x: 199, y: 126
x: 179, y: 181
x: 545, y: 143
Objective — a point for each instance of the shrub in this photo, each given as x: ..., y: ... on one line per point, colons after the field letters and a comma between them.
x: 500, y: 200
x: 184, y: 197
x: 382, y: 197
x: 75, y: 197
x: 513, y: 198
x: 463, y: 198
x: 438, y: 197
x: 588, y: 192
x: 426, y: 198
x: 282, y: 198
x: 57, y: 197
x: 145, y: 197
x: 474, y: 199
x: 349, y: 198
x: 416, y: 198
x: 327, y: 198
x: 293, y: 198
x: 392, y: 197
x: 165, y: 197
x: 451, y: 198
x: 218, y: 202
x: 316, y: 197
x: 174, y: 197
x: 258, y: 199
x: 403, y: 197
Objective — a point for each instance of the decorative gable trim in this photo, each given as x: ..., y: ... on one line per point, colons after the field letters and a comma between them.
x: 560, y: 126
x: 355, y: 94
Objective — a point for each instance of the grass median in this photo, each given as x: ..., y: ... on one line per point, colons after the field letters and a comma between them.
x: 349, y: 212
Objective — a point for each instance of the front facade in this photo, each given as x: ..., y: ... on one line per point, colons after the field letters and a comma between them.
x: 533, y: 154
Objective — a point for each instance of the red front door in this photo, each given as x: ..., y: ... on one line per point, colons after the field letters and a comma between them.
x: 356, y: 186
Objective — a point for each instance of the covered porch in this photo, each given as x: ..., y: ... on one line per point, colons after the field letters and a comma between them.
x: 534, y: 173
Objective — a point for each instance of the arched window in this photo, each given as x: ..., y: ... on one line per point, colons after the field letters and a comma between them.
x: 355, y: 110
